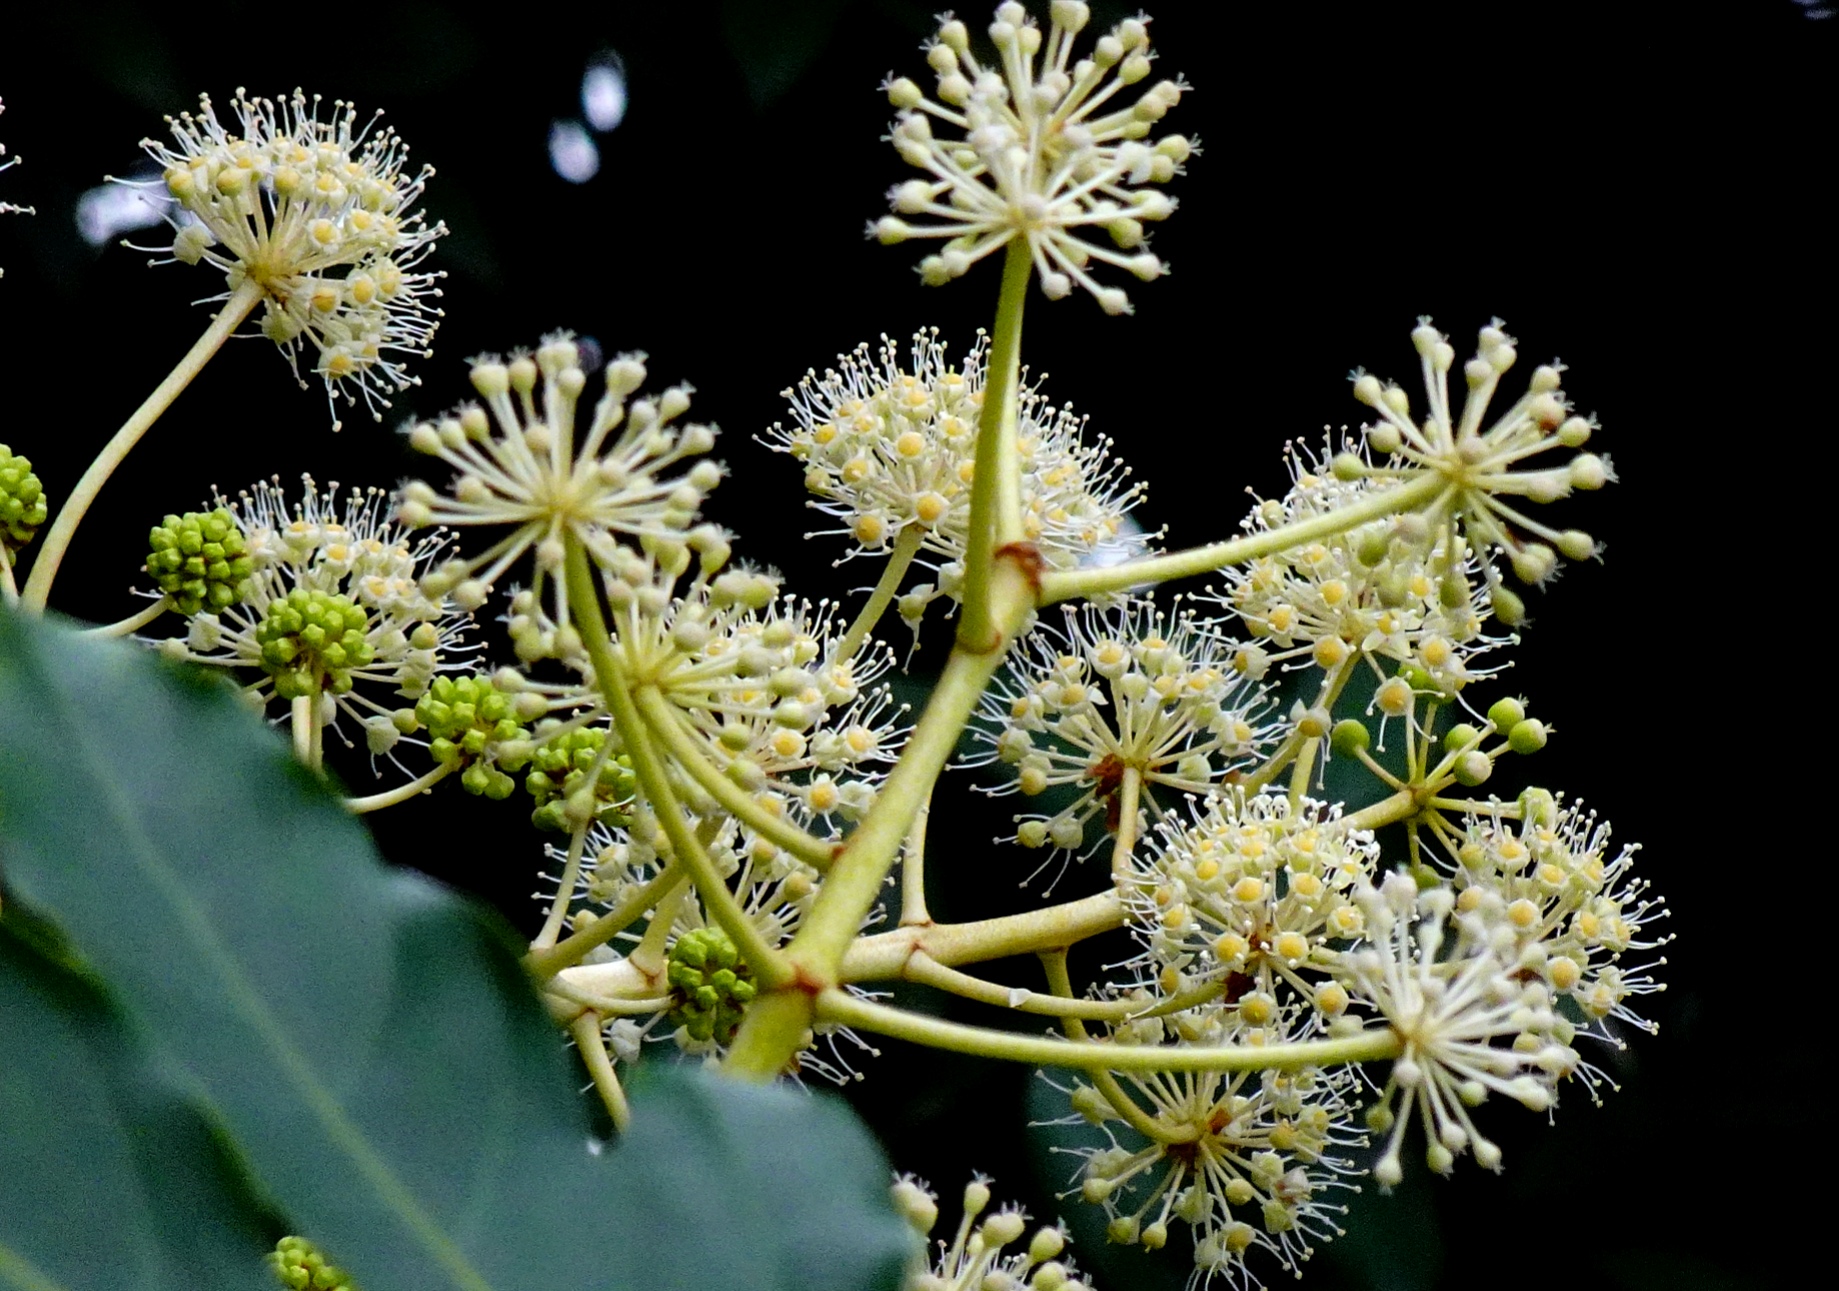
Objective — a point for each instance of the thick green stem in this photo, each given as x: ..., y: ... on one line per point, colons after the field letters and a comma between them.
x: 883, y: 956
x: 770, y: 1036
x: 996, y: 485
x: 1386, y: 811
x: 839, y: 1006
x: 769, y: 965
x: 662, y: 720
x: 900, y: 560
x: 546, y: 963
x: 923, y: 969
x: 593, y: 1046
x: 1061, y: 585
x: 77, y: 504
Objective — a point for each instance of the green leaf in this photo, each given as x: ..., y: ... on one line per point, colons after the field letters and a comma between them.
x: 767, y: 1174
x: 108, y: 1163
x: 368, y: 1040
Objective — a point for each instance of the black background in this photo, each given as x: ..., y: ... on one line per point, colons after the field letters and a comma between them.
x: 1630, y: 187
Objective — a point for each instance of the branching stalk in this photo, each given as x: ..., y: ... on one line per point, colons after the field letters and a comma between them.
x: 1062, y: 585
x: 900, y: 560
x: 839, y: 1006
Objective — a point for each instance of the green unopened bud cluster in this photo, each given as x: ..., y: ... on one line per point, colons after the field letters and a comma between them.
x: 559, y: 771
x: 310, y: 635
x: 710, y: 983
x: 22, y: 501
x: 466, y: 717
x: 299, y: 1264
x: 199, y: 559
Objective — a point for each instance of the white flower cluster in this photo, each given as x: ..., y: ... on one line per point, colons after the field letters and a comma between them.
x: 1450, y: 984
x: 1482, y: 468
x: 1387, y: 590
x: 890, y: 449
x: 974, y: 1258
x: 1038, y: 149
x: 316, y: 212
x: 1248, y: 1160
x: 756, y: 681
x: 1255, y: 894
x: 1129, y: 692
x: 321, y: 557
x: 521, y: 464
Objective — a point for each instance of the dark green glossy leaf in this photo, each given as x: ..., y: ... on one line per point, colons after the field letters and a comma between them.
x: 107, y: 1162
x: 368, y: 1040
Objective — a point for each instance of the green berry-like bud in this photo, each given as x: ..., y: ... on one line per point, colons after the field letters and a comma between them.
x: 1527, y: 737
x: 299, y: 1264
x: 559, y: 770
x: 1507, y: 713
x: 1350, y: 737
x: 1507, y: 607
x: 1460, y: 736
x: 22, y: 501
x: 312, y: 639
x: 199, y: 559
x: 710, y: 986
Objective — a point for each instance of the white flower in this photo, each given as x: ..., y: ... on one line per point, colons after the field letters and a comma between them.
x: 1040, y: 149
x: 889, y: 447
x: 1470, y: 1020
x: 1130, y: 689
x: 1482, y: 468
x: 1379, y: 590
x: 1575, y: 909
x: 1256, y: 893
x: 974, y: 1260
x: 1246, y: 1159
x: 317, y: 213
x: 319, y: 560
x: 522, y: 463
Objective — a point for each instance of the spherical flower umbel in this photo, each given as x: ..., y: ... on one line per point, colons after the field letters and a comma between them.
x: 522, y: 464
x: 1040, y: 149
x: 889, y: 448
x: 1469, y: 1017
x: 1246, y: 1159
x: 333, y: 600
x: 1482, y: 468
x: 1576, y: 909
x: 1133, y: 701
x: 1379, y: 591
x: 316, y: 213
x: 1254, y: 892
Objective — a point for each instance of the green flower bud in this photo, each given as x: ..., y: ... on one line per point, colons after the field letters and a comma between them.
x: 1527, y: 737
x: 1349, y: 737
x: 299, y: 1264
x: 1506, y: 714
x: 311, y: 638
x: 1460, y: 736
x: 199, y: 559
x: 559, y: 770
x: 710, y: 986
x: 22, y: 501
